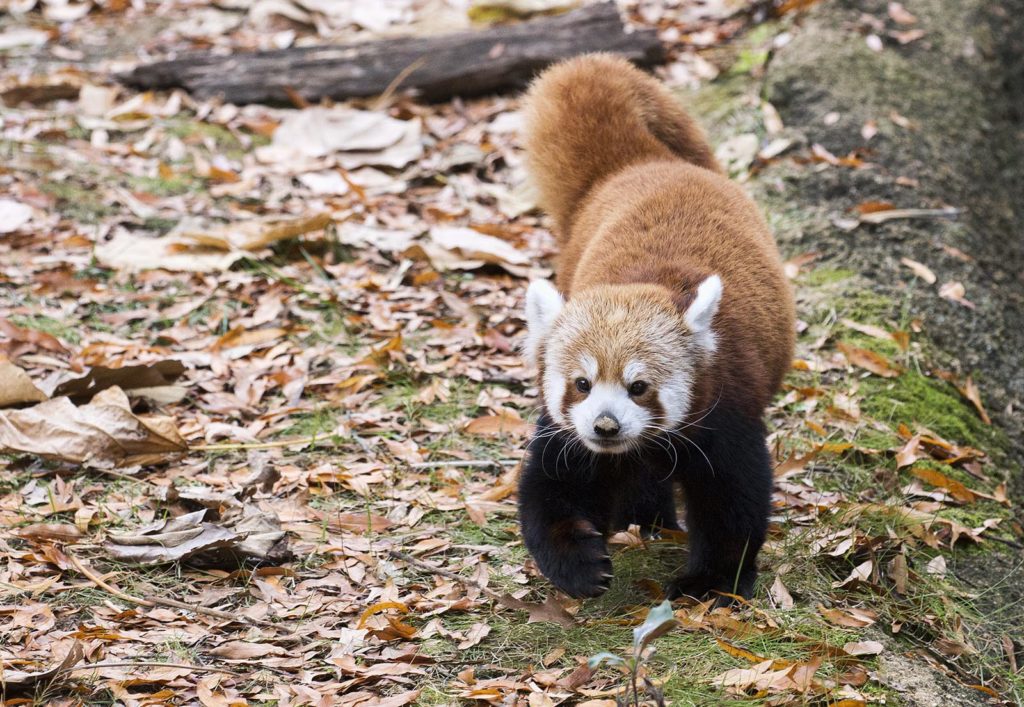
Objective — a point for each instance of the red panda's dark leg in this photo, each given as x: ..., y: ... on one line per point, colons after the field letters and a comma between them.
x: 728, y: 500
x: 564, y: 513
x: 650, y: 500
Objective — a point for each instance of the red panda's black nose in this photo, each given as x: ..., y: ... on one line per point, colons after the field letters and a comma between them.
x: 606, y: 425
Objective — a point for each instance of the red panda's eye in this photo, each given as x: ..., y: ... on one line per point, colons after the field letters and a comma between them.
x: 637, y: 388
x: 583, y: 385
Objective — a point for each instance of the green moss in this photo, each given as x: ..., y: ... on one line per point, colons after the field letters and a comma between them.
x: 915, y: 399
x: 172, y: 186
x: 47, y: 325
x: 826, y: 276
x: 76, y: 201
x: 319, y: 423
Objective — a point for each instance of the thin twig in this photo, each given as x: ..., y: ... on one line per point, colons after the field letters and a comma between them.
x: 215, y: 613
x: 161, y: 601
x: 458, y: 464
x: 149, y: 664
x: 95, y: 579
x: 231, y: 446
x: 440, y: 571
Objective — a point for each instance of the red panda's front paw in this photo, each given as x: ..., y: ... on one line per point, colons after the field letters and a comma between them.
x: 576, y: 559
x: 702, y: 586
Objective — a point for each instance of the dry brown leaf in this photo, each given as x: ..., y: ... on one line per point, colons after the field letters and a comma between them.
x: 16, y: 387
x: 240, y: 336
x: 793, y: 266
x: 193, y: 248
x: 506, y: 422
x: 763, y: 676
x: 936, y: 478
x: 189, y: 536
x: 457, y: 248
x: 550, y: 610
x: 476, y: 633
x: 18, y: 681
x: 22, y: 340
x: 970, y: 391
x: 103, y: 432
x: 62, y: 532
x: 738, y: 652
x: 127, y: 378
x: 871, y: 207
x: 852, y: 618
x: 869, y: 360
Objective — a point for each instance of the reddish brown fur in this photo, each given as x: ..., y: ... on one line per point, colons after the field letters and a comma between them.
x: 638, y: 198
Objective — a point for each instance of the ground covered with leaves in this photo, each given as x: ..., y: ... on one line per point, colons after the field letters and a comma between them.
x: 261, y: 408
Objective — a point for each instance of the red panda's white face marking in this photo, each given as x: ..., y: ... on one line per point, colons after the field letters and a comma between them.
x: 618, y: 362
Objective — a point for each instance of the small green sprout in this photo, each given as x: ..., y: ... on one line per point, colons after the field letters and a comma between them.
x: 660, y: 620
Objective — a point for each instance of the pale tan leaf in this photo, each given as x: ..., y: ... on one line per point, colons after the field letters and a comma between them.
x: 16, y: 387
x: 244, y: 650
x: 863, y: 648
x: 780, y: 595
x: 955, y: 292
x: 920, y: 269
x: 103, y: 432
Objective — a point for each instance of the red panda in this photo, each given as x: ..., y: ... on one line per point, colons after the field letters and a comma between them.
x: 671, y: 327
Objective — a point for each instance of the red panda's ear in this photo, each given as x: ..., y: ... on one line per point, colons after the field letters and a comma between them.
x: 701, y: 311
x: 543, y: 304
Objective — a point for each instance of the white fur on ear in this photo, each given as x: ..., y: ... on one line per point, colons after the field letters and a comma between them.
x: 702, y: 311
x: 543, y: 303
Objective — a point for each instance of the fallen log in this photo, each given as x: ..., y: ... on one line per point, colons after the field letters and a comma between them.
x: 434, y: 68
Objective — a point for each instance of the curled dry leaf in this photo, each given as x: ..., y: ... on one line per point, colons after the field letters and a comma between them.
x: 105, y: 432
x: 763, y: 676
x: 780, y: 595
x: 192, y: 247
x: 127, y: 378
x: 506, y: 422
x: 357, y: 138
x: 860, y: 573
x: 251, y: 537
x: 457, y: 248
x: 893, y: 214
x: 970, y: 391
x: 852, y: 617
x: 61, y: 532
x: 550, y: 610
x: 474, y: 635
x: 18, y: 681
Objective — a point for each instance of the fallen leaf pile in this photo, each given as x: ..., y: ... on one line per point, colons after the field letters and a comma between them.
x: 262, y: 407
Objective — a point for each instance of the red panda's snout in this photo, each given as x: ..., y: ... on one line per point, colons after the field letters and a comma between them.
x: 619, y: 363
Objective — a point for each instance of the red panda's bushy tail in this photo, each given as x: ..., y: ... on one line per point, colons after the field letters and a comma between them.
x: 591, y: 116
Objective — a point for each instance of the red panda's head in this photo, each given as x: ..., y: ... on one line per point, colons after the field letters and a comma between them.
x: 618, y: 362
